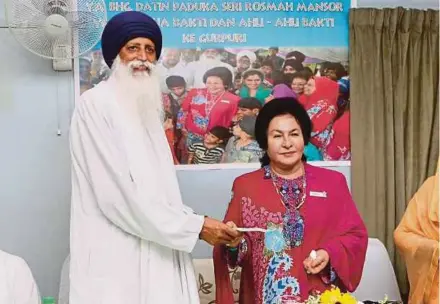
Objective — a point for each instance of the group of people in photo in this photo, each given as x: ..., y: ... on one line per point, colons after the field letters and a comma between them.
x: 213, y: 96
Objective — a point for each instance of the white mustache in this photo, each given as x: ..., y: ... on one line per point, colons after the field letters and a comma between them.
x: 137, y: 64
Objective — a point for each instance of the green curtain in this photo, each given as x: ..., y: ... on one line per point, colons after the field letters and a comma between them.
x: 394, y: 79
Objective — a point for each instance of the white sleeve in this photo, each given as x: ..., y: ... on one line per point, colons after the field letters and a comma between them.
x: 63, y: 294
x: 97, y: 158
x: 25, y: 288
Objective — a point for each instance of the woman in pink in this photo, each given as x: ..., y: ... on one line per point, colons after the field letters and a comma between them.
x: 315, y: 237
x: 213, y: 106
x: 320, y: 99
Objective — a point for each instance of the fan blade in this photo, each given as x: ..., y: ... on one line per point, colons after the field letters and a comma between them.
x: 51, y: 30
x: 35, y: 40
x: 23, y: 11
x: 87, y: 29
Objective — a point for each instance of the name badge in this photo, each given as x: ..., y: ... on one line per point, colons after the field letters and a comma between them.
x: 225, y: 101
x: 318, y: 194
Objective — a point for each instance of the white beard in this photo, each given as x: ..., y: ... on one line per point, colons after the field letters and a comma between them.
x: 139, y: 92
x: 203, y: 58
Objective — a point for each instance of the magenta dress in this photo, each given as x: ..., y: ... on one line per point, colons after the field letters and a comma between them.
x: 272, y: 263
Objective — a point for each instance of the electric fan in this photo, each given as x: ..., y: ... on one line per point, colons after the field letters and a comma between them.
x: 57, y: 29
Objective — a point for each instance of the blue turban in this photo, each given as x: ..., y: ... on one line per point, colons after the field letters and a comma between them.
x: 126, y: 26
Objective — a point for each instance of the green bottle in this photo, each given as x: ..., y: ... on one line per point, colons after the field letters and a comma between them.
x: 49, y: 300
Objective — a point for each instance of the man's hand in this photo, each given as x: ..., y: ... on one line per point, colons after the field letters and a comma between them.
x: 215, y: 232
x: 236, y: 241
x: 314, y: 266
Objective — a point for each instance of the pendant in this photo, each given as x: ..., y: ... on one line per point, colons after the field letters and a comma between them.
x: 274, y: 242
x: 293, y: 229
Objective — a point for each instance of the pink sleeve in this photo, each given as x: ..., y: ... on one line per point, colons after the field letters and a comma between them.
x: 347, y: 245
x: 324, y: 118
x: 222, y: 259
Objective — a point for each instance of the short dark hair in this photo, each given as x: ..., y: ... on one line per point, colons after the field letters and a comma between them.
x: 279, y: 77
x: 175, y: 81
x: 302, y: 74
x: 221, y: 133
x: 323, y: 66
x: 253, y: 72
x: 338, y: 68
x: 249, y: 103
x: 267, y: 63
x: 278, y: 107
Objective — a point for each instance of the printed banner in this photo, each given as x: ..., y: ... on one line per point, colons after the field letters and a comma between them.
x: 222, y: 61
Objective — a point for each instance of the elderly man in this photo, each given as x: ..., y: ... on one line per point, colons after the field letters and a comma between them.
x: 130, y: 232
x: 170, y: 66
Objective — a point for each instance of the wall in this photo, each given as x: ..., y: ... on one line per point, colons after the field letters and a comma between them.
x: 34, y: 162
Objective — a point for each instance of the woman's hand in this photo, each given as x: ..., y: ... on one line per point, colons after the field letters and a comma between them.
x: 237, y: 240
x: 314, y: 266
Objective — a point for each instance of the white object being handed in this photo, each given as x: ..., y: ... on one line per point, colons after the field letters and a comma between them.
x: 255, y: 229
x: 313, y: 255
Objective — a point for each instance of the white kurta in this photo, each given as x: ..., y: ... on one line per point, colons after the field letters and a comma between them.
x: 131, y: 235
x: 17, y: 285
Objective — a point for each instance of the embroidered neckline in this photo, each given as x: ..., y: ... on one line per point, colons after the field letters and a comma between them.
x: 292, y: 194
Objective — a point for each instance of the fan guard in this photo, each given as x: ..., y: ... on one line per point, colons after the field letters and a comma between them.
x: 42, y: 25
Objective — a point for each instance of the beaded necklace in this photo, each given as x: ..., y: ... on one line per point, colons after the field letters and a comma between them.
x: 293, y: 197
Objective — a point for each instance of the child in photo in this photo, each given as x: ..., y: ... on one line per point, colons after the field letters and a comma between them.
x: 242, y: 147
x: 211, y: 150
x: 249, y: 106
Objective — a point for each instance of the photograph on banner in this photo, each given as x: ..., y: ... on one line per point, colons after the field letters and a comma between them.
x: 216, y: 73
